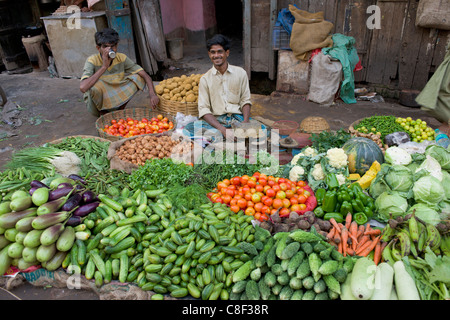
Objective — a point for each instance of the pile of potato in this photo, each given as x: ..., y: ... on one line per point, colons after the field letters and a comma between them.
x: 144, y: 148
x: 181, y: 89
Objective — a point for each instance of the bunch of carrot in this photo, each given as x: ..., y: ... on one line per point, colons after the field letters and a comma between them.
x: 351, y: 239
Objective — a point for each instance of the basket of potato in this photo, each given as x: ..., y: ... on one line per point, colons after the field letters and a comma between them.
x: 179, y: 94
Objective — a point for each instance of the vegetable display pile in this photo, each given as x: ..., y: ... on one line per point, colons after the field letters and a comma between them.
x: 343, y: 219
x: 144, y: 148
x: 260, y: 195
x: 130, y: 127
x: 181, y: 89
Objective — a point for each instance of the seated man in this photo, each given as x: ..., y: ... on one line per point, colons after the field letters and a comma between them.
x: 224, y: 92
x: 108, y: 83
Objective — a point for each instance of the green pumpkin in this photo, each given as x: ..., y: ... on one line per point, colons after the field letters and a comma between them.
x: 361, y: 153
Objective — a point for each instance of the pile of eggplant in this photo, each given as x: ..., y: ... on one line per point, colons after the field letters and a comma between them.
x: 64, y: 195
x: 38, y: 225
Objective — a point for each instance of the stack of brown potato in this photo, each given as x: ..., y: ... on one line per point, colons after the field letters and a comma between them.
x: 181, y: 89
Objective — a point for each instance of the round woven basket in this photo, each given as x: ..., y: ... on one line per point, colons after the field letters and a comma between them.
x: 79, y: 136
x: 134, y: 113
x: 354, y: 123
x: 285, y: 127
x: 314, y: 125
x: 173, y: 107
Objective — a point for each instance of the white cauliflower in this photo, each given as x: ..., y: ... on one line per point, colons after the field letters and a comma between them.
x: 337, y: 158
x: 341, y: 178
x: 296, y: 172
x: 307, y: 152
x: 310, y: 152
x: 296, y: 157
x: 317, y: 172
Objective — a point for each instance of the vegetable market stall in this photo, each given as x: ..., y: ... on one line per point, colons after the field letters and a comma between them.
x: 312, y: 229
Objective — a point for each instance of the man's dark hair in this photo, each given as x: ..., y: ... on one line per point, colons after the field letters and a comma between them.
x: 106, y: 36
x: 220, y: 40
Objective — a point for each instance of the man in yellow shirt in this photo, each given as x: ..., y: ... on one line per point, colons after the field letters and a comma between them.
x: 108, y: 83
x: 224, y: 92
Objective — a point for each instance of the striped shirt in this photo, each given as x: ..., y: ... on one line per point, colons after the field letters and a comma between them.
x: 116, y: 86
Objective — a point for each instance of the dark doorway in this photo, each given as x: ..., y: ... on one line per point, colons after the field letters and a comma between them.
x: 229, y: 18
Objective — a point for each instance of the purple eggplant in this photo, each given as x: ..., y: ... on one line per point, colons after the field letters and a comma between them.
x: 59, y: 192
x: 72, y: 202
x: 32, y: 190
x: 77, y: 178
x: 79, y: 187
x: 38, y: 184
x: 73, y: 221
x: 84, y: 210
x: 89, y: 196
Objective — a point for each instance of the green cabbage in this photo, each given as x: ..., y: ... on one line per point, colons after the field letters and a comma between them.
x: 392, y: 178
x: 441, y: 154
x: 446, y: 184
x: 397, y: 155
x: 399, y: 178
x: 390, y: 203
x: 428, y: 190
x: 425, y: 213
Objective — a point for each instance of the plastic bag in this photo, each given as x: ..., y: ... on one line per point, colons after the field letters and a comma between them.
x: 183, y: 120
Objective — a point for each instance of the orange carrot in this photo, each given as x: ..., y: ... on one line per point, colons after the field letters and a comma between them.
x: 354, y: 240
x: 377, y: 253
x: 350, y: 251
x: 360, y: 232
x: 348, y: 220
x: 340, y: 247
x: 362, y: 241
x: 344, y: 237
x: 335, y: 224
x: 372, y: 232
x: 368, y: 249
x: 331, y: 233
x: 353, y: 229
x: 337, y: 237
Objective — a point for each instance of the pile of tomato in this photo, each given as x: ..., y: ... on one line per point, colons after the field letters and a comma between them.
x: 261, y: 195
x: 130, y: 127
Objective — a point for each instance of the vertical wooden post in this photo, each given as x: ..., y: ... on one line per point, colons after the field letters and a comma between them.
x: 247, y: 37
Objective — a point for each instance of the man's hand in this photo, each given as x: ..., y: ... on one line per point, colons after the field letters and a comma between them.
x: 154, y: 101
x: 105, y: 57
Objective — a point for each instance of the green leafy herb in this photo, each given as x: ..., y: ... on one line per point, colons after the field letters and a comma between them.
x: 327, y: 140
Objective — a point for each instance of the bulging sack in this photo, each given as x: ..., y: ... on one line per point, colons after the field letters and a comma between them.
x: 326, y: 76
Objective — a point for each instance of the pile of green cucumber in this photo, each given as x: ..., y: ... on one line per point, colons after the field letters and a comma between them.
x: 141, y: 237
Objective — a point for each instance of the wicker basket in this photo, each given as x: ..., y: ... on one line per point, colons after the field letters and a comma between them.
x: 285, y: 127
x: 173, y: 107
x: 134, y: 113
x: 314, y: 125
x: 354, y: 123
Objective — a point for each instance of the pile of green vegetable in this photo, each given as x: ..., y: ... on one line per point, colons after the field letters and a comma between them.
x: 297, y: 265
x: 383, y: 125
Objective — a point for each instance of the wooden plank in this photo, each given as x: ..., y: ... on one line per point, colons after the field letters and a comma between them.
x: 247, y: 36
x: 385, y: 44
x: 273, y: 17
x: 152, y: 25
x: 439, y: 51
x: 425, y: 56
x: 416, y: 53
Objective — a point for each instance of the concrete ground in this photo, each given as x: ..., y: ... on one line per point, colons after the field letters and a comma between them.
x: 52, y: 108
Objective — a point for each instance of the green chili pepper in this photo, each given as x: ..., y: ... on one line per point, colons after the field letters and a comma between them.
x: 356, y: 187
x: 357, y: 205
x: 360, y: 218
x: 320, y: 194
x: 329, y: 201
x: 331, y: 181
x: 368, y: 212
x: 318, y: 212
x: 335, y: 215
x: 346, y: 207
